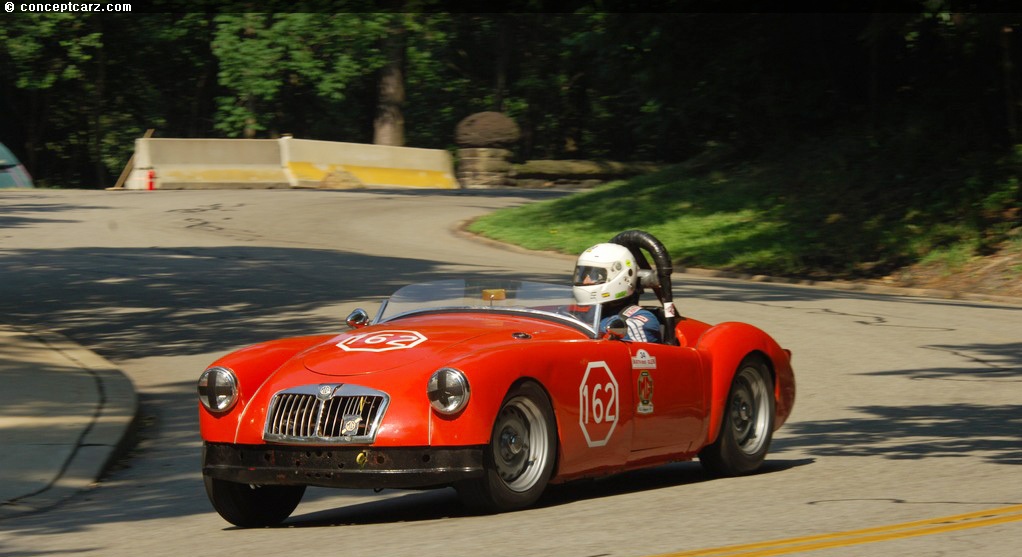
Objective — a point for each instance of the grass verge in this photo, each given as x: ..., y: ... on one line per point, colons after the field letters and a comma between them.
x: 820, y: 212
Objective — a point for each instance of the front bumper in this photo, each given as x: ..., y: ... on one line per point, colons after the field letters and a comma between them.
x: 348, y: 467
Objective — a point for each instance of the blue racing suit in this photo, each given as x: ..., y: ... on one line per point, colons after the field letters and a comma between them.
x: 640, y: 324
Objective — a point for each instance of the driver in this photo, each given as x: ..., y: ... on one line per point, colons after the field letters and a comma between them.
x: 607, y: 274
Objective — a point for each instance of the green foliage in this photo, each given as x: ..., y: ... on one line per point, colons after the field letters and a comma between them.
x: 45, y: 49
x: 269, y: 61
x: 838, y: 207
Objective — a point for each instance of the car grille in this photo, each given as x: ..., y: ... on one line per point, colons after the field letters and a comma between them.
x: 332, y: 413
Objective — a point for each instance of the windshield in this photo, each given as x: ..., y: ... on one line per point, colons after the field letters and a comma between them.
x: 550, y: 301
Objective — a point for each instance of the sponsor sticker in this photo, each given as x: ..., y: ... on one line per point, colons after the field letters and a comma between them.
x: 645, y: 390
x: 643, y: 360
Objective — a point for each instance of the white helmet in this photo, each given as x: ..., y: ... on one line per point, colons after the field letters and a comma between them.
x: 604, y: 273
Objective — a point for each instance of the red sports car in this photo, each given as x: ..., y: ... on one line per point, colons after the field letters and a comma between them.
x: 497, y: 388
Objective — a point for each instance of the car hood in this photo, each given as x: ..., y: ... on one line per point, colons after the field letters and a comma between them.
x: 438, y: 339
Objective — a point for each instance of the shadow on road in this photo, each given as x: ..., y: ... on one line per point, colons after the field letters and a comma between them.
x: 987, y: 363
x: 130, y: 303
x: 915, y: 431
x: 444, y: 503
x: 140, y: 489
x: 26, y: 215
x: 993, y: 433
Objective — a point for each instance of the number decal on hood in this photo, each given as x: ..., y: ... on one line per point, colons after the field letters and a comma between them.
x: 381, y: 341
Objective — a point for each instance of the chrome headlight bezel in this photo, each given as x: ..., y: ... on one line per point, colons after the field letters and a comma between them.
x: 448, y: 391
x: 224, y: 394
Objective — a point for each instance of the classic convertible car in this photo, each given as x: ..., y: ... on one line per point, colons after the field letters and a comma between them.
x: 497, y: 388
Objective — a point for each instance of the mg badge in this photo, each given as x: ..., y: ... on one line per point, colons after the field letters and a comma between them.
x: 325, y: 391
x: 350, y: 424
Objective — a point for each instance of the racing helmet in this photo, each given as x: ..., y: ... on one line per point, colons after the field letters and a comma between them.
x: 604, y: 273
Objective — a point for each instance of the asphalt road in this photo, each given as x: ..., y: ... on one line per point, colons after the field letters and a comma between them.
x: 906, y: 434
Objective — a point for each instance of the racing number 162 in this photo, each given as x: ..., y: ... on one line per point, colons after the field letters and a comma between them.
x: 390, y: 339
x: 593, y: 404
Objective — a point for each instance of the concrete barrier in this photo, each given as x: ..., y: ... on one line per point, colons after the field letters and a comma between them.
x: 169, y: 163
x: 330, y: 164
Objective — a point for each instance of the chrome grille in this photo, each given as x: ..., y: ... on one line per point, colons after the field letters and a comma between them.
x: 333, y: 413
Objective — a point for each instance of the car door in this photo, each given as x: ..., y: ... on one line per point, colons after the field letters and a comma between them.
x: 668, y: 407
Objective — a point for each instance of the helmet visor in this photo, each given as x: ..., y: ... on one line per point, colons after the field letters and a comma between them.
x: 586, y: 275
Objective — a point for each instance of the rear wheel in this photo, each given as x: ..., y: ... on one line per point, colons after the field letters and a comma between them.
x: 520, y: 457
x: 253, y: 506
x: 748, y: 425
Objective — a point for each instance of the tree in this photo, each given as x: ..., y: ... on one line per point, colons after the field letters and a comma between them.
x: 389, y: 126
x: 52, y: 60
x: 77, y: 89
x: 928, y: 85
x: 295, y: 72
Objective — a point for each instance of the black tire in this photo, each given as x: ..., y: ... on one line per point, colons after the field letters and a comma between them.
x: 521, y: 454
x: 748, y: 425
x: 253, y: 506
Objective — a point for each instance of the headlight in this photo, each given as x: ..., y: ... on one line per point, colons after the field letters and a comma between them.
x: 218, y: 389
x: 448, y: 390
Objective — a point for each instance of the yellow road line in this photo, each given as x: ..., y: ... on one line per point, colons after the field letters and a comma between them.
x: 927, y: 527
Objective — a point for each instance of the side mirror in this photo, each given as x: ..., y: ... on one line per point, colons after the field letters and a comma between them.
x: 357, y: 319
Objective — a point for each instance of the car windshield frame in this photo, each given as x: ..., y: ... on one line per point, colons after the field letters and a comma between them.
x: 548, y: 301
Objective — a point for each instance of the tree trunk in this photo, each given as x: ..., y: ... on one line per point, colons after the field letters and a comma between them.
x: 205, y: 84
x: 389, y: 126
x: 502, y: 61
x: 1008, y: 70
x: 874, y: 35
x: 96, y: 139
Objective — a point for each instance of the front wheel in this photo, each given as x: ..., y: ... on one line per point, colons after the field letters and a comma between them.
x: 250, y: 506
x: 520, y: 457
x: 748, y: 424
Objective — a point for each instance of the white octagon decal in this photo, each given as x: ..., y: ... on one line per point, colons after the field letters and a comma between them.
x: 598, y: 404
x: 381, y: 341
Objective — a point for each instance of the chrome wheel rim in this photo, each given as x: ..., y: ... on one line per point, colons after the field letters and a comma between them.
x: 748, y: 410
x: 520, y: 444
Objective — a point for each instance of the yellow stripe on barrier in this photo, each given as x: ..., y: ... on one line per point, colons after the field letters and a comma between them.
x: 402, y: 177
x: 333, y: 175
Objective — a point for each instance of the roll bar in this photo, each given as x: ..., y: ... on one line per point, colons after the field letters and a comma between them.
x: 638, y: 240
